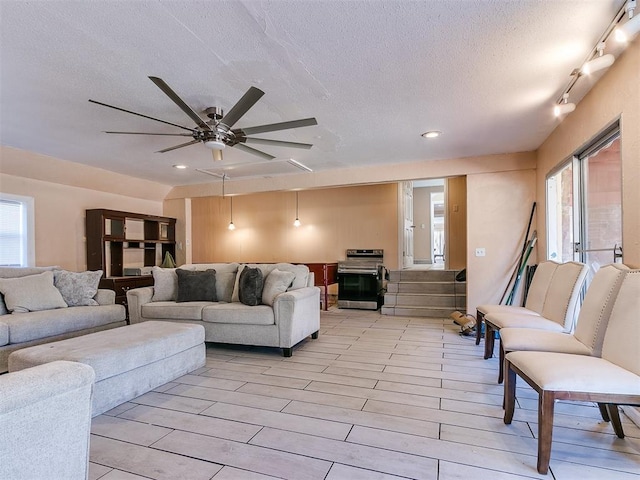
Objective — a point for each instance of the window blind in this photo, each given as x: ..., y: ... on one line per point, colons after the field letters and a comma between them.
x: 12, y: 233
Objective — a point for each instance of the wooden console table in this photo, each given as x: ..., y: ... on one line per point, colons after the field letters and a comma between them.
x: 325, y: 275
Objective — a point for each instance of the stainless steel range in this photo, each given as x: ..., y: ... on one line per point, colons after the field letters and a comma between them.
x: 360, y: 279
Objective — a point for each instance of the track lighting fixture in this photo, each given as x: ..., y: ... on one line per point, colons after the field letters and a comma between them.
x: 297, y: 223
x: 564, y: 107
x: 628, y: 30
x: 599, y: 62
x: 597, y: 59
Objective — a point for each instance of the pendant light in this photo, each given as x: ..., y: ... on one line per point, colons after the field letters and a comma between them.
x: 297, y: 223
x: 231, y: 225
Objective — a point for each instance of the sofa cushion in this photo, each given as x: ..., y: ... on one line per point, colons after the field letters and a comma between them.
x: 235, y: 297
x: 31, y: 293
x: 301, y: 274
x: 277, y: 282
x: 109, y: 355
x: 225, y: 277
x: 196, y: 286
x: 165, y: 284
x: 173, y: 310
x: 17, y: 272
x: 46, y: 323
x: 77, y: 288
x: 250, y: 286
x: 4, y: 334
x: 238, y: 313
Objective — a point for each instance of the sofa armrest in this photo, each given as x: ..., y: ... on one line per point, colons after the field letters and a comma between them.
x: 45, y: 413
x: 105, y: 297
x: 136, y: 298
x: 297, y: 315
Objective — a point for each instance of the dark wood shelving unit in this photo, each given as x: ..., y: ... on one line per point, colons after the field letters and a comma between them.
x: 108, y: 241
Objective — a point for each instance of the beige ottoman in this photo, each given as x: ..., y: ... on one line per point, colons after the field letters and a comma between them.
x: 128, y: 361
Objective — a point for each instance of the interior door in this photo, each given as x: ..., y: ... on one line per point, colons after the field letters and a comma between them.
x: 408, y: 226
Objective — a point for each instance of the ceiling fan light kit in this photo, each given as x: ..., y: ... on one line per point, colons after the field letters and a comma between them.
x: 217, y: 133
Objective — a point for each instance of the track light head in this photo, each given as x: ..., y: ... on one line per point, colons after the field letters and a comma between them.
x: 600, y: 62
x: 564, y: 107
x: 624, y: 33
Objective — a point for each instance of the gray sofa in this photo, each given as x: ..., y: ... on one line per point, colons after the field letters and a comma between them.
x: 283, y: 319
x: 45, y: 414
x: 20, y: 330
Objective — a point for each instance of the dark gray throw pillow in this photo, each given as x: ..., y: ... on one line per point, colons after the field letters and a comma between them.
x: 250, y: 286
x: 196, y: 286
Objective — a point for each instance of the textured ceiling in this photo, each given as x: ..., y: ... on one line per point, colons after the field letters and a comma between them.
x: 375, y: 74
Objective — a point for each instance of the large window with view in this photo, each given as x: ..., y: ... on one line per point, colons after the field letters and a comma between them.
x: 16, y: 231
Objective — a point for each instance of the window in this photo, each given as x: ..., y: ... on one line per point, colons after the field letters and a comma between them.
x: 17, y: 246
x: 584, y: 204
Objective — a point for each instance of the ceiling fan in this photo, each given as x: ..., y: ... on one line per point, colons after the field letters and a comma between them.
x: 217, y: 133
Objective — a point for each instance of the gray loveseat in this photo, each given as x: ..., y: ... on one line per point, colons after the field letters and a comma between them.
x: 286, y: 315
x: 20, y: 330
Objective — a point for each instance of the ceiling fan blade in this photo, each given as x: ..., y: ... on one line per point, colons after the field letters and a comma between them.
x: 305, y: 122
x: 266, y: 141
x: 243, y: 105
x: 192, y: 142
x: 242, y: 146
x: 146, y: 133
x: 141, y: 115
x: 178, y: 101
x: 217, y: 155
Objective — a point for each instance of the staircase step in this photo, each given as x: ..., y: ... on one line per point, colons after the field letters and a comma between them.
x: 451, y: 288
x: 422, y: 275
x: 430, y: 312
x: 421, y: 300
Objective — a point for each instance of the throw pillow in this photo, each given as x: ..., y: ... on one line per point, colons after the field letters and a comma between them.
x: 235, y: 297
x: 250, y: 286
x: 165, y: 284
x: 276, y: 283
x: 3, y: 307
x: 196, y: 286
x: 31, y: 293
x: 77, y: 289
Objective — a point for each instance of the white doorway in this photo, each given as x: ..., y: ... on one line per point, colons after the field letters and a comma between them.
x: 429, y: 218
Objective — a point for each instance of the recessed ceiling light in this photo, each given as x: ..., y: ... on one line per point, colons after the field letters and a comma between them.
x: 432, y: 134
x: 180, y: 167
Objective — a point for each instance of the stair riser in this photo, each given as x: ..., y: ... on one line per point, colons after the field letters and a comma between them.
x: 416, y: 312
x: 424, y: 301
x: 422, y: 275
x: 433, y: 288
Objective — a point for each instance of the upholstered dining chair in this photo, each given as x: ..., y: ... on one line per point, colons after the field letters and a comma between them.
x: 558, y: 311
x: 534, y: 302
x: 590, y: 326
x: 613, y: 379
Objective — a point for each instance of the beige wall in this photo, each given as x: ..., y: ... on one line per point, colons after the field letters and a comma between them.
x: 499, y: 205
x: 332, y: 221
x: 616, y: 95
x: 60, y: 208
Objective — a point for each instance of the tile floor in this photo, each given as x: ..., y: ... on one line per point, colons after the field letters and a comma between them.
x: 374, y: 397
